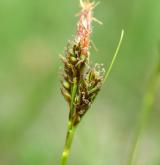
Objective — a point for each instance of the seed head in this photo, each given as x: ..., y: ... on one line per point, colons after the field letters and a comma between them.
x: 81, y: 81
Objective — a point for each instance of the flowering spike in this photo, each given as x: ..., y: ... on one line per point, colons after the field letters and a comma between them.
x: 82, y: 82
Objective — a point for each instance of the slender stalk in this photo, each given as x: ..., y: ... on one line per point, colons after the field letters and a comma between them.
x: 68, y: 143
x: 114, y: 56
x: 71, y: 128
x: 145, y: 113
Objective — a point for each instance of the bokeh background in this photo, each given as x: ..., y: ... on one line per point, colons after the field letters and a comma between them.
x: 33, y: 114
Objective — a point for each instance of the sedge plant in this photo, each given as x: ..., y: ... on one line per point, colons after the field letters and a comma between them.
x: 81, y: 81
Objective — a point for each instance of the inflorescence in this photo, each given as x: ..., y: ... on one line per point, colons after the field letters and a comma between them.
x: 81, y: 81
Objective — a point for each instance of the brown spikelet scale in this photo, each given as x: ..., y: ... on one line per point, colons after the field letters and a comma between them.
x: 81, y: 81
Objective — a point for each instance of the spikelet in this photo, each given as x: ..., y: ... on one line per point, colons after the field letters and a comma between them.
x: 81, y: 81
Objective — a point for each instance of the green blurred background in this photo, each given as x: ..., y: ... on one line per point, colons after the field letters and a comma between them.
x: 33, y: 114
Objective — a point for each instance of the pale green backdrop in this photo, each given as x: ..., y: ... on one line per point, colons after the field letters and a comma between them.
x: 33, y: 114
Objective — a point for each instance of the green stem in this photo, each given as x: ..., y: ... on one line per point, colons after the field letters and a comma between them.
x: 146, y: 110
x: 68, y: 143
x: 73, y: 94
x: 71, y: 127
